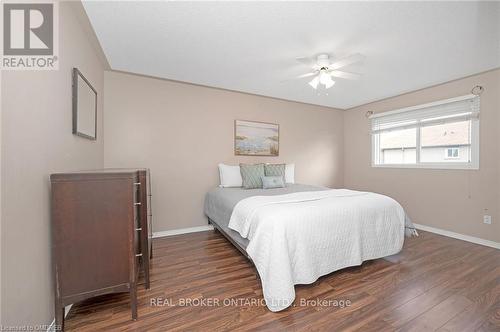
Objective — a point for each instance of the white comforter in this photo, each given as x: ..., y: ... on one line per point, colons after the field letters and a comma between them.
x: 296, y: 238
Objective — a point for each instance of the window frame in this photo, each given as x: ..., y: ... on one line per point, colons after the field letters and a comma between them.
x: 474, y: 144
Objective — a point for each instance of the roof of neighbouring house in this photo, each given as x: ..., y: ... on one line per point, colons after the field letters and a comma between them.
x: 441, y: 135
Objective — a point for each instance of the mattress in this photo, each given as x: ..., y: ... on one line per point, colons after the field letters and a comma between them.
x: 220, y: 202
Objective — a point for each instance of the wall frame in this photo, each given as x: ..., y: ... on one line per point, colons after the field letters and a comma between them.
x: 84, y: 106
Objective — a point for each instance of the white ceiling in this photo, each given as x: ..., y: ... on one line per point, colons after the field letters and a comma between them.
x: 252, y: 46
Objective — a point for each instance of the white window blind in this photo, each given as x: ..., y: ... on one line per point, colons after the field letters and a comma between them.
x: 450, y: 110
x: 418, y: 136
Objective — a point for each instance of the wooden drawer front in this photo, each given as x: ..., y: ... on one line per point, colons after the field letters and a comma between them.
x: 92, y: 223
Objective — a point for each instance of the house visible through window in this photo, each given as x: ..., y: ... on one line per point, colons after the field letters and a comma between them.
x: 443, y: 134
x: 452, y: 153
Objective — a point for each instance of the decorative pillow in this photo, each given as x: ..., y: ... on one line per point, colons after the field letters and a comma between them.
x: 290, y: 173
x: 270, y: 182
x: 275, y: 170
x: 230, y: 176
x: 252, y: 175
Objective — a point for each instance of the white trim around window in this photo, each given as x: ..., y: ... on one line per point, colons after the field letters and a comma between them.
x: 460, y: 109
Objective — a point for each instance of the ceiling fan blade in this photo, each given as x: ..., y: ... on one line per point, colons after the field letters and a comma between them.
x: 305, y: 60
x: 346, y: 61
x: 306, y: 75
x: 343, y: 74
x: 299, y: 77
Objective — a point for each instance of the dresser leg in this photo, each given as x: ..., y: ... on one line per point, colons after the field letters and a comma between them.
x: 59, y: 319
x: 133, y: 301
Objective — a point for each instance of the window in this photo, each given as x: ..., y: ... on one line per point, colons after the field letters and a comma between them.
x: 443, y: 134
x: 452, y: 153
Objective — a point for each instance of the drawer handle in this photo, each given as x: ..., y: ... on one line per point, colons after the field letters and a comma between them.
x: 139, y: 229
x: 138, y: 203
x: 137, y: 183
x: 138, y: 255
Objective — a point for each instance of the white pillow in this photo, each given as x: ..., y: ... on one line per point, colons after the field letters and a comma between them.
x: 290, y: 173
x: 230, y: 176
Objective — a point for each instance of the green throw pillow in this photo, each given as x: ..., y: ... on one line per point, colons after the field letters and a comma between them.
x: 252, y: 175
x: 272, y: 182
x: 275, y: 170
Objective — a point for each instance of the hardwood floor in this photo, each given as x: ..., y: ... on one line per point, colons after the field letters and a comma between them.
x: 435, y: 283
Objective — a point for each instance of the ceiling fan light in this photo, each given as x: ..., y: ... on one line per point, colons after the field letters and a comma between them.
x: 314, y: 82
x: 329, y: 84
x: 324, y: 78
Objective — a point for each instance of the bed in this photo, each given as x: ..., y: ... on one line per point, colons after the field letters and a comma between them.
x: 296, y: 234
x: 220, y: 202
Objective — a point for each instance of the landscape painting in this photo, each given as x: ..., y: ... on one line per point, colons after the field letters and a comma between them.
x: 256, y: 138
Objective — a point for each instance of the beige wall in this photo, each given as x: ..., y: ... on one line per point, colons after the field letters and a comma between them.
x: 36, y: 141
x: 183, y: 131
x: 453, y: 200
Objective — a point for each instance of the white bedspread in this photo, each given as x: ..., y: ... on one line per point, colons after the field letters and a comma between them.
x: 296, y: 238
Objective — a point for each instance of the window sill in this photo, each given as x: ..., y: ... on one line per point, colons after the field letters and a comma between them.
x: 458, y: 166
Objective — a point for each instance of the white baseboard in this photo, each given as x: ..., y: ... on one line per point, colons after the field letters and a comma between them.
x: 183, y: 231
x: 458, y: 236
x: 53, y: 324
x: 430, y: 229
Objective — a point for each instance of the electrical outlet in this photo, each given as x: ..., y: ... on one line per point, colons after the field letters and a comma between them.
x: 487, y: 219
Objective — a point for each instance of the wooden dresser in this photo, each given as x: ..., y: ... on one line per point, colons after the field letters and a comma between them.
x: 101, y: 234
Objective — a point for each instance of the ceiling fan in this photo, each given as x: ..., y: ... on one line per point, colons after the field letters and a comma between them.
x: 323, y: 69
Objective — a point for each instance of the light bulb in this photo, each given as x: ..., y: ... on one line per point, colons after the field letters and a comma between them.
x: 314, y: 82
x: 324, y: 78
x: 329, y: 84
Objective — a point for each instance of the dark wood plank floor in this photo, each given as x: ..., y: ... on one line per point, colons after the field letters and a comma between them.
x: 435, y: 283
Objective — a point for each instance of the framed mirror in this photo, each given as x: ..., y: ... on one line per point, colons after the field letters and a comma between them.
x: 84, y: 107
